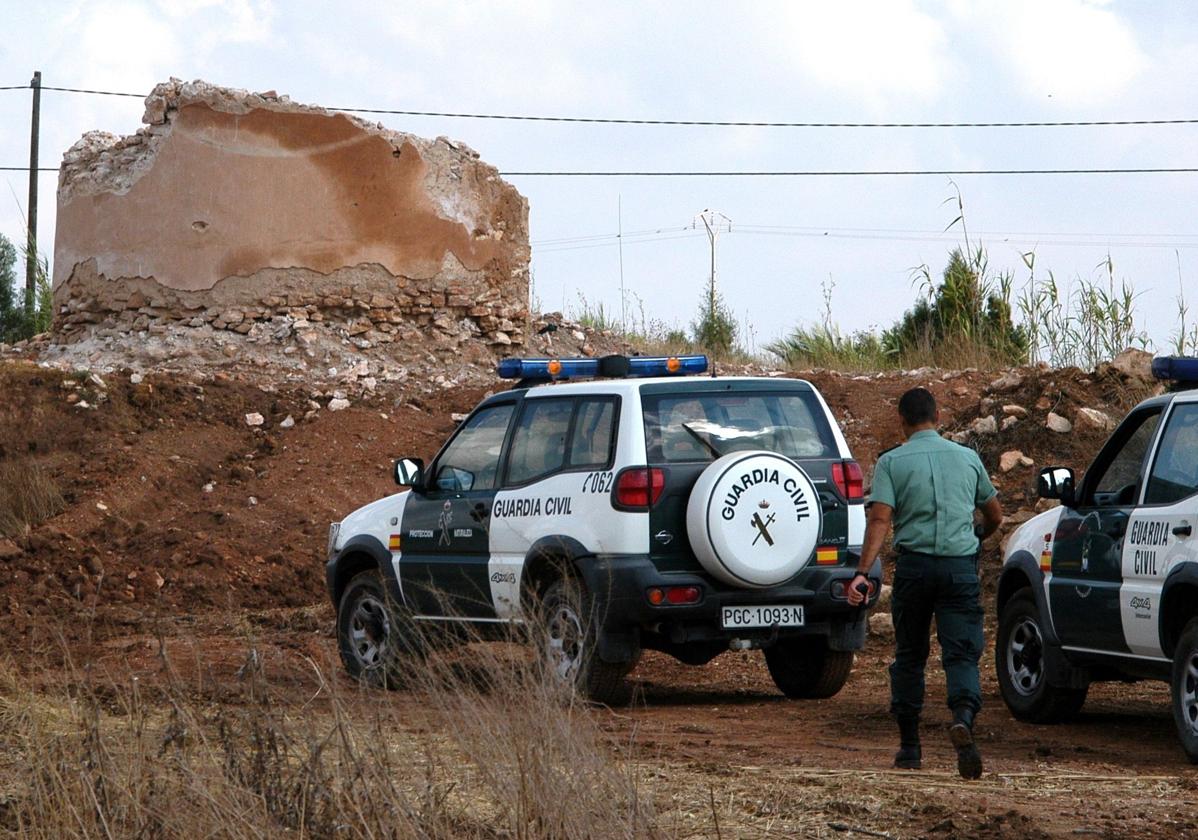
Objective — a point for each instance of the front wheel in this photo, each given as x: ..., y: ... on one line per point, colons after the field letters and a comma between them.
x: 369, y: 636
x: 807, y: 669
x: 568, y: 636
x: 1185, y: 690
x: 1021, y: 668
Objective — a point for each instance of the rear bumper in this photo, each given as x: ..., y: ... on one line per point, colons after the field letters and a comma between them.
x: 620, y: 583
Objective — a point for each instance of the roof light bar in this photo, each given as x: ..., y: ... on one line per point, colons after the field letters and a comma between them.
x: 610, y: 366
x: 1176, y: 368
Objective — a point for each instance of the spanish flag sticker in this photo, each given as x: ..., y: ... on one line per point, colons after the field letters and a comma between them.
x: 393, y: 543
x: 827, y: 555
x: 1045, y: 560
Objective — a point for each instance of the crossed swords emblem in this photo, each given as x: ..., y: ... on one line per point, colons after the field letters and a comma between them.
x: 762, y: 527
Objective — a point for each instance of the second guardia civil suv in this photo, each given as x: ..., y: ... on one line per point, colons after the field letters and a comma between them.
x: 626, y: 504
x: 1105, y: 586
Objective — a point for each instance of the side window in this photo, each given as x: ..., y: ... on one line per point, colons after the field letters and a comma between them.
x: 471, y: 461
x: 1119, y: 477
x: 594, y: 430
x: 539, y: 442
x: 1175, y: 472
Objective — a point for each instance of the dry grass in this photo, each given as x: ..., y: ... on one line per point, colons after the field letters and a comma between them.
x: 28, y: 495
x: 498, y: 751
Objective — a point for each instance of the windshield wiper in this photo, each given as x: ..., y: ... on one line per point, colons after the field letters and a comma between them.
x: 697, y: 436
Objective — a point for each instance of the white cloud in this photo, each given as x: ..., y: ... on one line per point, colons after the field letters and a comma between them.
x: 241, y: 21
x: 871, y: 49
x: 1078, y: 51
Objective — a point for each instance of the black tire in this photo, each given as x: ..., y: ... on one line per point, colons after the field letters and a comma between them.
x: 807, y: 669
x: 1185, y: 690
x: 369, y: 632
x: 567, y: 636
x: 1020, y: 666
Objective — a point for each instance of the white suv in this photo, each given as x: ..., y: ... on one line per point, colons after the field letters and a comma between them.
x: 1105, y: 586
x: 644, y: 507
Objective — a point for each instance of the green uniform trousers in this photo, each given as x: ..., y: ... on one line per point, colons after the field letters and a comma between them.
x: 947, y: 588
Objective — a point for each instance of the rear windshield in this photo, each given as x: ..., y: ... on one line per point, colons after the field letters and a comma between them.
x: 699, y: 427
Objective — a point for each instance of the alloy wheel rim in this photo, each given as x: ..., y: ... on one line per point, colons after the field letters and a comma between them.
x: 1025, y: 657
x: 1189, y: 692
x: 369, y: 629
x: 564, y: 642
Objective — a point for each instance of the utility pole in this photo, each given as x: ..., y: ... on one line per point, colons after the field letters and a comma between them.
x: 714, y: 222
x: 620, y: 242
x: 31, y: 240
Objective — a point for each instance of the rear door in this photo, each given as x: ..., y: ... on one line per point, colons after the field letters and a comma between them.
x: 1160, y: 533
x: 689, y: 424
x: 557, y: 487
x: 1087, y: 554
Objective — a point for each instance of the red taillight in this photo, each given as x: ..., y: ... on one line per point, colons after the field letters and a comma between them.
x: 639, y: 487
x: 674, y: 595
x: 849, y: 479
x: 683, y: 594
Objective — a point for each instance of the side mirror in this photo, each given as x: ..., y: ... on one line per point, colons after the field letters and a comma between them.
x: 409, y: 472
x: 1056, y: 483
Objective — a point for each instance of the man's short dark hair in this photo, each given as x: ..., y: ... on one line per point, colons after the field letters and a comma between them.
x: 917, y: 406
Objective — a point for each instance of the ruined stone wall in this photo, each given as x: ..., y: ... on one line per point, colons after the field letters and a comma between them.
x: 229, y: 208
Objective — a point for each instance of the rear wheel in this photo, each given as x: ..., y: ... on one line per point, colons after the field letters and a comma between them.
x: 1021, y: 669
x: 369, y: 633
x: 1185, y: 690
x: 807, y: 669
x: 568, y: 635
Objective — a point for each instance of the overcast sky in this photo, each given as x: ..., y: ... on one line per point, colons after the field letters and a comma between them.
x: 891, y: 60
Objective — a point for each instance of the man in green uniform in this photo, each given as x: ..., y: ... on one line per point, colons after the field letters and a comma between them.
x: 929, y: 489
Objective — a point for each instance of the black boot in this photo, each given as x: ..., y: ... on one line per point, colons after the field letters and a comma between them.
x: 969, y: 760
x: 909, y: 755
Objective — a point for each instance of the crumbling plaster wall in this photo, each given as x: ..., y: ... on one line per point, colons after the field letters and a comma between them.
x: 230, y: 207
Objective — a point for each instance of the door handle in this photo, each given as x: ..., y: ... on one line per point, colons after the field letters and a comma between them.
x: 1183, y: 530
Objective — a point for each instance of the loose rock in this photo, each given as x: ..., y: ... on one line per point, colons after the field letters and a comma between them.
x: 1010, y: 459
x: 1093, y: 419
x: 1057, y: 423
x: 984, y: 426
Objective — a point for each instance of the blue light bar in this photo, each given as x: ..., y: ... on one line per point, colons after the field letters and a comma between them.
x: 1176, y: 368
x: 547, y: 368
x: 608, y: 366
x: 666, y: 365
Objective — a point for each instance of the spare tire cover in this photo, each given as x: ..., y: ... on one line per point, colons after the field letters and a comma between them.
x: 754, y: 518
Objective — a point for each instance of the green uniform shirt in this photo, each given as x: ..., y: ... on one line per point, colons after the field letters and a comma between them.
x: 933, y: 485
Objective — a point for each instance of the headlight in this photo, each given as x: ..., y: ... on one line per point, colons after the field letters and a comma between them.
x: 334, y: 532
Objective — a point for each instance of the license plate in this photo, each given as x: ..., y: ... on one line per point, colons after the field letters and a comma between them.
x: 782, y: 616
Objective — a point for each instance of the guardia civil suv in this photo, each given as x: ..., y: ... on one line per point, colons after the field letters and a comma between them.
x: 1105, y: 586
x: 615, y: 505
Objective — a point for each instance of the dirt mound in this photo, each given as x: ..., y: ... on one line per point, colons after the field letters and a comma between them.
x: 171, y: 499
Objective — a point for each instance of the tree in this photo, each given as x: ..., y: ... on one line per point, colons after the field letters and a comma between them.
x: 968, y: 310
x: 10, y: 311
x: 16, y: 322
x: 715, y: 329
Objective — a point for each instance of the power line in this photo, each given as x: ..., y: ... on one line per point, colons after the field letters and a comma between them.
x: 696, y: 123
x: 801, y: 173
x: 883, y: 234
x: 824, y: 173
x: 831, y: 230
x: 94, y: 92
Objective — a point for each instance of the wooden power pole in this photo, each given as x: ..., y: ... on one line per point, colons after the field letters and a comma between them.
x: 31, y: 241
